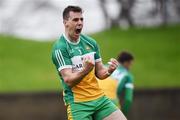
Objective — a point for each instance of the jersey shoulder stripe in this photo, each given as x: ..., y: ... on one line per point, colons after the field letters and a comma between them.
x: 89, y: 40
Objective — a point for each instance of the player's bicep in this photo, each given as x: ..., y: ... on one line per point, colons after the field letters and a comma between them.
x: 61, y: 59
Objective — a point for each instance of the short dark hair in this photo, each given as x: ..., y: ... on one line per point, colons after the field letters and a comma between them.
x: 70, y: 8
x: 124, y: 57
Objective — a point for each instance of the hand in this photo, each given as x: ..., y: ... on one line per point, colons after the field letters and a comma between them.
x: 88, y: 64
x: 113, y: 64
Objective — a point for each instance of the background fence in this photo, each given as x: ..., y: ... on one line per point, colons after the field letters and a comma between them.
x: 148, y: 105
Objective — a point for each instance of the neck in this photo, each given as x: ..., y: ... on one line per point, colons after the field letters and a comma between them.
x: 124, y: 67
x: 72, y: 39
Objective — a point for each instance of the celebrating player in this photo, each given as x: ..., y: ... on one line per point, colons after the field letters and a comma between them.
x: 78, y: 62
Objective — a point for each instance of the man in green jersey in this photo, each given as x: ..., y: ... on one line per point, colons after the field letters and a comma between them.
x: 120, y: 83
x: 78, y: 62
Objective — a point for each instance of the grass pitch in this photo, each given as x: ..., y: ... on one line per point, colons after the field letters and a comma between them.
x: 26, y: 65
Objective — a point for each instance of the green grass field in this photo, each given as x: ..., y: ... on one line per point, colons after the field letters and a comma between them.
x: 26, y: 65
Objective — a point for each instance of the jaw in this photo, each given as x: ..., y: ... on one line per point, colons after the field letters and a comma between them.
x: 77, y: 32
x: 74, y: 34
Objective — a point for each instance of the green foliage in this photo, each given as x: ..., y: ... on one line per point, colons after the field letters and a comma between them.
x: 26, y: 65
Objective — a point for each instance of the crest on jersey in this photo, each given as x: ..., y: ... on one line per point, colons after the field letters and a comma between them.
x: 88, y: 48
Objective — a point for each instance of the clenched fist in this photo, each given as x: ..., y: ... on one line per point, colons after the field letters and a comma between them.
x: 113, y: 64
x: 88, y: 64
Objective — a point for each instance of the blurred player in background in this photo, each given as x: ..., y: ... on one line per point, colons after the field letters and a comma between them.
x: 119, y: 86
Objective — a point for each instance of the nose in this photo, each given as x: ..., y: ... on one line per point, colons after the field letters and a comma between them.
x: 80, y: 22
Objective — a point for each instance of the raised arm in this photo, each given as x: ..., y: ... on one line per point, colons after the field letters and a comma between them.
x: 63, y: 63
x: 72, y: 78
x: 102, y: 72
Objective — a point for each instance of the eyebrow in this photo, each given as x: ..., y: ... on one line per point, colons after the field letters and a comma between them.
x: 78, y: 18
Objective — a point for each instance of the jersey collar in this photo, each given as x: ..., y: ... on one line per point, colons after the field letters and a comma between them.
x: 122, y: 68
x: 74, y: 43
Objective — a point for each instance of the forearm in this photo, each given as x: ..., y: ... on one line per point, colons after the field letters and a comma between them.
x: 102, y: 71
x: 102, y: 74
x: 74, y: 78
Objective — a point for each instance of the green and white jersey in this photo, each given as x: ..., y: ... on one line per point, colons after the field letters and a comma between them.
x: 124, y: 77
x: 66, y: 54
x: 125, y: 87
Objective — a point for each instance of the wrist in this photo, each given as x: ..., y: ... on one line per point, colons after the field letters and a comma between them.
x: 85, y: 71
x: 108, y: 73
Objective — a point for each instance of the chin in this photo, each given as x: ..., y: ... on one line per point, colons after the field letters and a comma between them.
x: 77, y: 35
x: 75, y: 38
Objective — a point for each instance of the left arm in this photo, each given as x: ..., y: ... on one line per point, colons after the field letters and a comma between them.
x: 102, y: 72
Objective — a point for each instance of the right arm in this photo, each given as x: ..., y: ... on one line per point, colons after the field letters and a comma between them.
x: 73, y: 78
x: 63, y: 63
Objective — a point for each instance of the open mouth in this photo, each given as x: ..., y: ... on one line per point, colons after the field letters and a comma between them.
x: 78, y: 30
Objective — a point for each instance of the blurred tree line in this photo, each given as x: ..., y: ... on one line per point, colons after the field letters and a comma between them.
x: 161, y: 7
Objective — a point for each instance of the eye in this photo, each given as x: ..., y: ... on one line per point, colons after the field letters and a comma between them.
x: 82, y: 19
x: 75, y: 19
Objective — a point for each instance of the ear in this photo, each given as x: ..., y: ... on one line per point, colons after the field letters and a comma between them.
x: 65, y: 22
